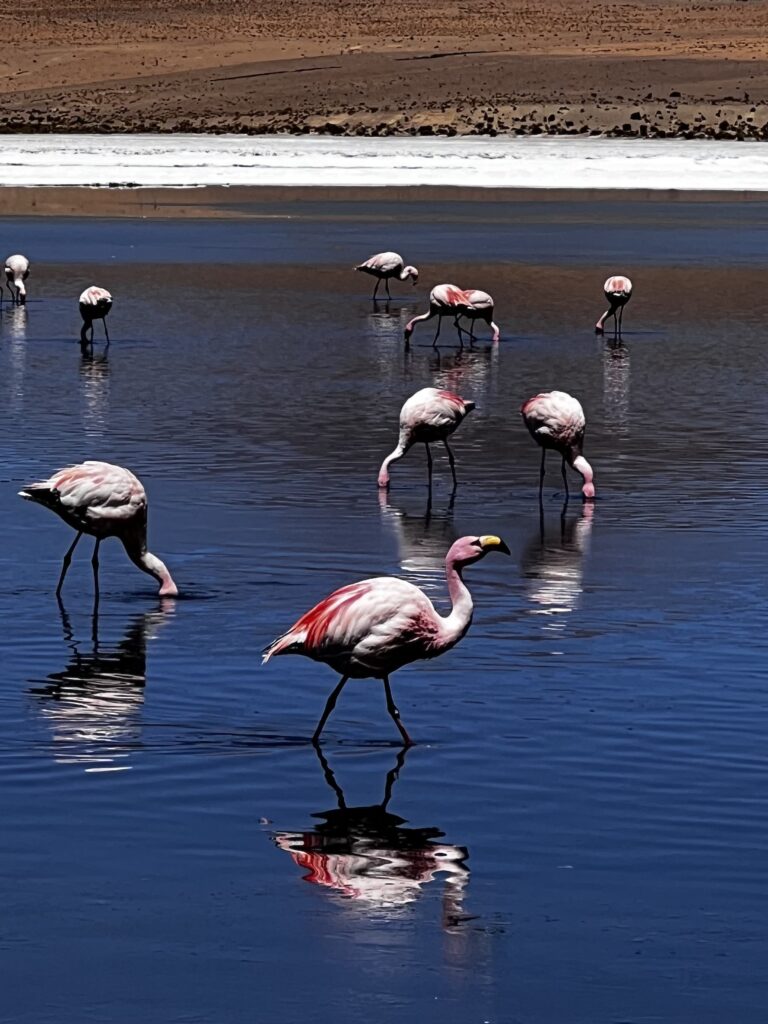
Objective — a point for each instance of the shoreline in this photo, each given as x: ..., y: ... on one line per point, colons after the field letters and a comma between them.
x: 263, y: 202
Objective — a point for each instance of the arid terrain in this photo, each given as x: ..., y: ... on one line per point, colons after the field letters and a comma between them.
x: 649, y: 69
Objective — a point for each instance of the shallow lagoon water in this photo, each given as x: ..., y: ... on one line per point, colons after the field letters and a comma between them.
x: 580, y: 833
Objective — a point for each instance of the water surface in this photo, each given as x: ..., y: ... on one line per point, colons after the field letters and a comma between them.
x: 579, y: 835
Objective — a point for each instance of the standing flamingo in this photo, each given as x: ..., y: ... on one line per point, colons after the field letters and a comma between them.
x: 618, y: 292
x: 95, y: 303
x: 444, y: 300
x: 479, y: 307
x: 103, y: 501
x: 385, y: 265
x: 368, y: 630
x: 429, y: 415
x: 16, y: 273
x: 556, y: 420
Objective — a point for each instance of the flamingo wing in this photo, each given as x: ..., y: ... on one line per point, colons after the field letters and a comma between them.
x: 93, y: 493
x: 374, y: 625
x: 556, y: 415
x: 434, y: 410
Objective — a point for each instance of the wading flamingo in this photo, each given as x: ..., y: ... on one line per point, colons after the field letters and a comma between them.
x: 556, y: 420
x: 103, y: 501
x: 386, y: 265
x: 16, y: 273
x: 618, y: 292
x: 368, y: 630
x: 444, y: 300
x: 479, y: 307
x: 429, y: 415
x: 95, y: 303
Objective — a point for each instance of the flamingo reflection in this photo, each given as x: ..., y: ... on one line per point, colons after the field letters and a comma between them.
x: 15, y: 329
x: 616, y: 380
x: 94, y: 388
x: 365, y: 855
x: 553, y: 565
x: 93, y: 705
x: 422, y: 539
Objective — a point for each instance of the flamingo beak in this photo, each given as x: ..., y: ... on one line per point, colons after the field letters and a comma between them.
x: 493, y: 543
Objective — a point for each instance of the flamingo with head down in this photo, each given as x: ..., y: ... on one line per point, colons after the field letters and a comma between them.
x: 368, y: 630
x: 103, y: 501
x: 444, y: 300
x: 556, y: 421
x: 618, y: 292
x: 16, y: 273
x: 95, y: 303
x: 430, y: 415
x: 479, y: 307
x: 386, y: 265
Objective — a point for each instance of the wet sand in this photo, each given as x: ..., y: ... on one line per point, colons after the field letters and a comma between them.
x: 655, y: 70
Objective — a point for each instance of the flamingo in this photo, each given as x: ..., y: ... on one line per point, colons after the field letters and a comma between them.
x: 429, y: 415
x: 369, y: 629
x: 556, y: 420
x: 618, y: 292
x: 480, y: 307
x: 103, y: 501
x: 444, y: 300
x: 16, y: 273
x: 385, y: 265
x: 95, y: 303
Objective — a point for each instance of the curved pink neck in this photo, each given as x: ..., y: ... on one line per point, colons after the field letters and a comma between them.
x: 581, y: 465
x: 455, y: 625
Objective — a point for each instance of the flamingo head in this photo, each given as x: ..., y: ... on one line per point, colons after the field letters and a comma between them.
x: 413, y: 273
x: 467, y: 550
x: 21, y: 288
x: 581, y: 465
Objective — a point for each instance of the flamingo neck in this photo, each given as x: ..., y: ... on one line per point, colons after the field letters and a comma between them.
x: 403, y: 445
x: 495, y: 328
x: 150, y: 564
x: 455, y: 625
x: 581, y: 465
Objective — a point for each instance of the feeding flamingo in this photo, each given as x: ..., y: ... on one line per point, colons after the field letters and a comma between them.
x: 556, y: 420
x: 95, y: 303
x: 16, y: 273
x: 368, y: 630
x: 479, y: 307
x: 103, y: 501
x: 618, y: 292
x: 386, y: 265
x: 444, y: 300
x: 429, y: 415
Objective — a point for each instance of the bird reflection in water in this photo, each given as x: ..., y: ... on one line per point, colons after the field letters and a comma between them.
x: 616, y: 379
x: 93, y: 705
x: 553, y: 565
x: 422, y: 539
x: 467, y: 371
x: 15, y: 330
x: 94, y: 390
x: 365, y: 855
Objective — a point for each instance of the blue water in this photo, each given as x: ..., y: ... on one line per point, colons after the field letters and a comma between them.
x: 579, y: 835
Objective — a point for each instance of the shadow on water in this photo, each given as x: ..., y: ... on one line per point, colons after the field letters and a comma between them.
x: 616, y: 381
x: 94, y: 389
x: 552, y: 564
x: 468, y: 368
x: 93, y: 706
x: 364, y: 854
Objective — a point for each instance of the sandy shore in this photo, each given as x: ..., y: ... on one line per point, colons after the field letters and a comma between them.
x: 656, y: 69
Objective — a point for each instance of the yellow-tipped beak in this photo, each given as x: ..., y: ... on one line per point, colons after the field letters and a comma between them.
x: 493, y: 543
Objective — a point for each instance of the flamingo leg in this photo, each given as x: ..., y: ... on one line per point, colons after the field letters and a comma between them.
x: 376, y: 287
x: 394, y: 711
x: 452, y: 463
x: 542, y: 471
x: 106, y: 332
x: 437, y: 332
x: 95, y: 564
x: 621, y: 319
x: 565, y: 479
x: 65, y: 564
x: 330, y: 704
x: 386, y: 285
x: 13, y: 297
x: 429, y: 464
